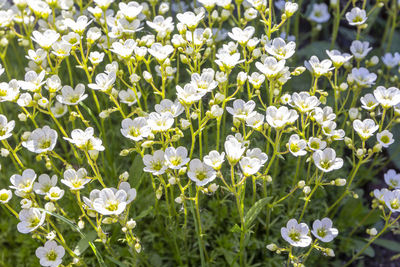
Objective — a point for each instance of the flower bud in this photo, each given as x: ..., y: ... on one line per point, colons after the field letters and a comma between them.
x: 130, y: 224
x: 124, y: 176
x: 340, y: 182
x: 49, y: 206
x: 147, y: 76
x: 81, y: 224
x: 301, y: 184
x: 272, y: 247
x: 124, y: 153
x: 353, y: 113
x: 377, y: 148
x: 182, y: 171
x: 138, y: 247
x: 178, y: 200
x: 306, y: 190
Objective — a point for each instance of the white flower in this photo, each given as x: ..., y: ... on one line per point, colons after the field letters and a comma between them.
x: 96, y: 58
x: 104, y: 82
x: 205, y: 82
x: 391, y: 60
x: 279, y: 118
x: 79, y: 25
x: 30, y: 220
x: 392, y: 178
x: 385, y: 138
x: 70, y: 96
x: 160, y: 122
x: 234, y: 149
x: 130, y: 192
x: 189, y: 94
x: 75, y: 180
x: 166, y: 105
x: 59, y: 110
x: 46, y: 39
x: 6, y: 127
x: 41, y: 140
x: 360, y: 49
x: 190, y: 19
x: 227, y: 61
x: 130, y: 10
x: 304, y: 102
x: 326, y: 160
x: 271, y: 67
x: 89, y: 201
x: 53, y: 83
x: 363, y: 77
x: 297, y: 146
x: 255, y: 120
x: 323, y: 115
x: 249, y: 165
x: 160, y: 52
x: 110, y: 201
x: 338, y: 59
x: 50, y: 254
x: 61, y: 49
x: 365, y: 128
x: 128, y: 97
x: 256, y: 79
x: 296, y: 234
x: 44, y: 184
x: 214, y: 159
x: 55, y: 193
x: 328, y: 128
x: 10, y: 91
x: 5, y: 196
x: 315, y: 144
x: 200, y: 173
x: 356, y: 16
x: 392, y: 200
x: 319, y: 13
x: 155, y: 163
x: 323, y: 230
x: 256, y: 153
x: 369, y: 102
x: 85, y: 140
x: 23, y: 184
x: 136, y: 129
x: 258, y: 4
x: 242, y: 36
x: 387, y: 97
x: 242, y: 110
x: 33, y: 81
x: 290, y: 8
x: 125, y: 49
x: 103, y: 4
x: 318, y: 68
x: 37, y: 56
x: 279, y: 49
x: 379, y: 194
x: 161, y: 24
x: 176, y: 158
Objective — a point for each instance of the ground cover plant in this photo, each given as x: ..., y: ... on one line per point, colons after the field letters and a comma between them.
x: 199, y: 133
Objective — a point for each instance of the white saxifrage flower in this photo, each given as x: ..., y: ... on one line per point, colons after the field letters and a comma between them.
x: 128, y: 97
x: 50, y: 254
x: 255, y: 120
x: 176, y: 158
x: 318, y: 68
x: 166, y: 105
x: 189, y: 94
x: 227, y: 61
x: 55, y: 193
x: 326, y: 160
x: 30, y: 220
x: 365, y: 128
x: 190, y: 19
x: 363, y: 77
x: 130, y: 192
x: 46, y: 39
x: 136, y: 129
x: 271, y: 67
x: 104, y: 82
x: 160, y: 52
x: 23, y: 184
x: 356, y: 16
x: 155, y: 163
x: 279, y: 49
x: 110, y: 201
x: 242, y: 110
x: 70, y: 96
x: 337, y: 58
x: 75, y: 180
x: 234, y: 149
x: 392, y: 178
x: 319, y: 13
x: 44, y: 184
x: 205, y: 82
x: 360, y: 49
x: 323, y: 230
x: 369, y: 102
x: 315, y: 144
x: 160, y: 122
x: 391, y: 60
x: 256, y: 153
x: 33, y: 81
x: 85, y: 140
x: 385, y: 138
x: 279, y: 118
x: 41, y: 140
x: 304, y: 102
x: 200, y: 173
x: 256, y: 79
x: 242, y: 36
x: 6, y: 127
x: 296, y: 234
x: 387, y: 97
x: 5, y: 196
x: 297, y: 146
x: 214, y: 159
x: 392, y: 200
x: 249, y: 165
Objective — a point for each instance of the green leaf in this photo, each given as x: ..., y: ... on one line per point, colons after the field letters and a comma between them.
x: 117, y: 262
x: 388, y: 244
x: 253, y: 212
x: 360, y: 244
x: 83, y: 244
x: 144, y: 213
x: 236, y: 229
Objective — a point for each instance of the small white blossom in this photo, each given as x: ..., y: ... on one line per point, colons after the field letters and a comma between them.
x: 297, y: 146
x: 279, y: 118
x: 110, y: 201
x: 160, y: 122
x: 50, y: 254
x: 44, y: 184
x: 200, y: 173
x: 391, y: 60
x: 296, y: 234
x: 155, y: 163
x: 75, y: 180
x: 279, y: 49
x: 323, y: 230
x: 326, y: 160
x: 365, y: 128
x: 385, y: 138
x: 369, y: 102
x: 70, y: 96
x: 360, y: 49
x: 356, y: 16
x: 271, y: 67
x: 5, y: 196
x: 214, y: 159
x: 387, y: 97
x: 6, y: 127
x: 136, y: 129
x: 392, y: 200
x: 242, y: 110
x: 392, y: 178
x: 176, y: 158
x: 318, y: 68
x: 319, y: 13
x: 30, y: 220
x: 41, y: 140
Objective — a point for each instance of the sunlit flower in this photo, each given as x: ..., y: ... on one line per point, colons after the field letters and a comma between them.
x: 160, y: 122
x: 271, y: 67
x: 297, y: 146
x: 136, y: 129
x: 318, y: 68
x: 130, y: 192
x: 338, y: 59
x: 50, y: 254
x: 369, y: 102
x: 392, y: 200
x: 75, y: 180
x: 41, y: 140
x: 242, y: 110
x: 392, y: 178
x: 360, y: 49
x: 296, y: 234
x: 385, y: 138
x: 323, y: 230
x: 242, y: 36
x: 363, y: 77
x: 356, y: 16
x: 5, y: 196
x: 387, y: 97
x: 279, y: 49
x: 70, y: 96
x: 365, y: 128
x: 176, y: 158
x: 85, y: 140
x: 234, y: 149
x: 44, y: 184
x: 200, y: 173
x: 30, y: 220
x: 214, y: 159
x: 279, y: 118
x: 304, y: 102
x: 326, y: 160
x: 6, y: 127
x: 155, y: 163
x: 110, y: 201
